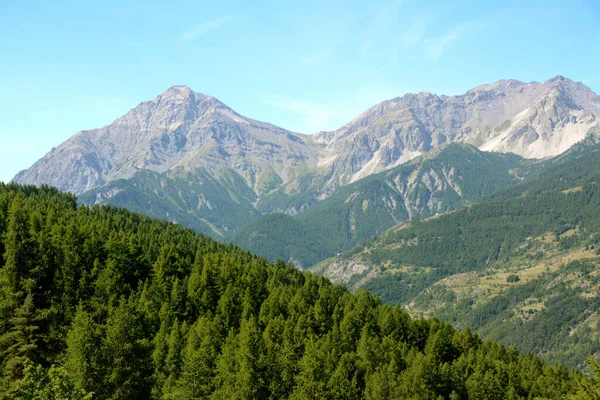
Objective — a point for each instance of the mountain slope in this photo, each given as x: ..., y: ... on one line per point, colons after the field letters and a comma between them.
x: 534, y: 120
x: 179, y: 128
x: 128, y: 307
x: 457, y: 266
x: 211, y: 205
x: 184, y: 157
x: 444, y: 179
x: 279, y: 236
x: 547, y: 306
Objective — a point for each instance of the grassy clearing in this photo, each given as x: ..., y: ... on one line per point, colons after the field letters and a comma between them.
x: 573, y: 190
x: 482, y: 286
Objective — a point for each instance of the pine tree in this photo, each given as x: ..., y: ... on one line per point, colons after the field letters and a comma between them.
x: 199, y: 360
x: 177, y: 301
x: 161, y: 348
x: 86, y: 362
x: 19, y: 257
x: 128, y: 352
x: 310, y: 382
x: 72, y: 267
x: 280, y: 359
x: 343, y: 384
x: 203, y: 284
x: 54, y: 383
x: 173, y: 359
x: 384, y: 383
x: 19, y: 344
x: 239, y: 369
x: 369, y: 350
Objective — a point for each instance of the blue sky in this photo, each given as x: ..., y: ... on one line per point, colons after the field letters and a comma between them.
x: 303, y: 65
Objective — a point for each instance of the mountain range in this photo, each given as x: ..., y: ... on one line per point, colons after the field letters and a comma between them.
x: 188, y: 158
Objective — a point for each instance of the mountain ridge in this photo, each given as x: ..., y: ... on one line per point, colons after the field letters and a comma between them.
x: 256, y: 168
x: 177, y: 128
x: 403, y: 127
x: 443, y: 179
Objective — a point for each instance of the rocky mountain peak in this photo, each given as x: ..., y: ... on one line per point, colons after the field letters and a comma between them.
x: 531, y: 119
x: 184, y: 97
x: 499, y: 88
x: 178, y: 92
x: 566, y: 85
x: 178, y: 129
x: 183, y: 129
x: 558, y: 79
x: 176, y: 105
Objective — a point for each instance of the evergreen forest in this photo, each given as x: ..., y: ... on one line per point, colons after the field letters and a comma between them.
x: 103, y: 303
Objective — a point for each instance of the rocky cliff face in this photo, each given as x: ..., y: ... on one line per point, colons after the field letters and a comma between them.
x: 534, y: 120
x: 179, y: 128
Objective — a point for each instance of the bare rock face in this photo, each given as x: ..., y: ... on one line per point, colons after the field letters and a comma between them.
x: 342, y: 271
x: 534, y: 120
x: 181, y: 131
x: 179, y: 128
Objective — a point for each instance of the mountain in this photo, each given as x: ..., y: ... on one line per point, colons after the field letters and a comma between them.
x: 179, y: 129
x: 105, y: 301
x: 534, y: 120
x: 188, y: 158
x: 184, y: 157
x: 441, y: 180
x: 520, y: 267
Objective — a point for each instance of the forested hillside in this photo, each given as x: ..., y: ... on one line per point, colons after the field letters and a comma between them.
x: 521, y: 267
x: 208, y: 204
x: 444, y: 179
x: 106, y: 303
x: 548, y: 309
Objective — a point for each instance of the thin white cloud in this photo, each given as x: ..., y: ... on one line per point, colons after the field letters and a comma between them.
x: 416, y: 31
x: 315, y: 117
x: 436, y: 47
x: 203, y: 28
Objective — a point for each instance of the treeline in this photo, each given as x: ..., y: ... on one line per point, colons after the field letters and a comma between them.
x: 106, y: 303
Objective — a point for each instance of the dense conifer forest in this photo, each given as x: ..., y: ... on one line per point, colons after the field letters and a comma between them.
x: 103, y: 303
